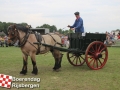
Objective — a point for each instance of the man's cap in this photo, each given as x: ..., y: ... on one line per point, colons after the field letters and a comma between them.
x: 76, y: 13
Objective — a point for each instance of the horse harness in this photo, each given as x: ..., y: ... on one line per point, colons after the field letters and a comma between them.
x: 25, y: 39
x: 39, y: 39
x: 55, y: 40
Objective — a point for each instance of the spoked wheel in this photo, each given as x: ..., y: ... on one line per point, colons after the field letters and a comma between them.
x: 76, y: 59
x: 96, y: 55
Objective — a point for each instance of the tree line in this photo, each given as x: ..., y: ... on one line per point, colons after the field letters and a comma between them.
x: 52, y: 28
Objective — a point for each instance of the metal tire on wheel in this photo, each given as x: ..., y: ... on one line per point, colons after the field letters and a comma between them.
x: 75, y: 59
x: 96, y: 55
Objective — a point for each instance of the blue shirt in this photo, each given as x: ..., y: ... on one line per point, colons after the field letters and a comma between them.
x: 78, y: 25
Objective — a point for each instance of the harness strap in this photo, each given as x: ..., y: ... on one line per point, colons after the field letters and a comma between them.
x: 43, y: 39
x: 24, y: 40
x: 44, y: 43
x: 39, y: 39
x: 32, y: 44
x: 55, y: 40
x: 51, y: 36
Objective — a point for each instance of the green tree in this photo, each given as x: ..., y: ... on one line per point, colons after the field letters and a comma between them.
x: 117, y: 29
x: 4, y: 26
x: 24, y: 24
x: 70, y: 31
x: 1, y: 26
x: 65, y: 32
x: 60, y: 31
x: 51, y: 28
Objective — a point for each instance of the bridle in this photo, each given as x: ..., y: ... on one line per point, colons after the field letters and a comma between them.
x: 15, y: 34
x: 22, y: 41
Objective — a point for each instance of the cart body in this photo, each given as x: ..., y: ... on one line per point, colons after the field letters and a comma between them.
x: 91, y: 49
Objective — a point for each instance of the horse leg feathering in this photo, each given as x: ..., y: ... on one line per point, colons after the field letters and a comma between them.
x: 35, y: 70
x: 58, y: 58
x: 24, y: 69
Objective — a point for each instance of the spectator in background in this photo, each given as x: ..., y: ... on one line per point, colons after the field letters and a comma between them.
x: 118, y: 36
x: 62, y: 39
x: 67, y: 43
x: 112, y: 38
x: 114, y: 35
x: 109, y: 39
x: 2, y: 41
x: 6, y: 41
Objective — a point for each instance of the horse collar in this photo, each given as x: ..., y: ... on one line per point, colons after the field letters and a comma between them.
x: 24, y: 40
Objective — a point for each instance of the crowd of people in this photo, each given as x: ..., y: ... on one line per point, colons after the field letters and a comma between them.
x: 65, y: 41
x: 118, y: 36
x: 111, y: 38
x: 3, y: 41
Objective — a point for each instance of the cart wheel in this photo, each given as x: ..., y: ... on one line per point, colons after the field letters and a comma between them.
x: 96, y: 55
x: 76, y: 59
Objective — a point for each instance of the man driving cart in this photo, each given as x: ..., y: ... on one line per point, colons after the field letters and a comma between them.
x: 78, y: 24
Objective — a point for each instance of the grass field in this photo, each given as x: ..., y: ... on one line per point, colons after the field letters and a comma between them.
x: 69, y: 78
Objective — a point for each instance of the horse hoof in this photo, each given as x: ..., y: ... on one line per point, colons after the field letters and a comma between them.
x: 22, y: 72
x: 35, y: 73
x: 56, y: 70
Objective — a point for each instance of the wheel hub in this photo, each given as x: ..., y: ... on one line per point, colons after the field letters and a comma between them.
x: 98, y: 55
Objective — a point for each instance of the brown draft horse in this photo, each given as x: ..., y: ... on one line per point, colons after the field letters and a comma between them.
x: 26, y: 39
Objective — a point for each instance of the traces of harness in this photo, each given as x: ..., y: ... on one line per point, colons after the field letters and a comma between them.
x: 55, y: 40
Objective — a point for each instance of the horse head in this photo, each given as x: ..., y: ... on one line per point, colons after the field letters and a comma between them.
x: 12, y: 33
x: 18, y: 32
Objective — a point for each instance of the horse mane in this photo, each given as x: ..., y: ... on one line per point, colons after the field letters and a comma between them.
x: 22, y: 28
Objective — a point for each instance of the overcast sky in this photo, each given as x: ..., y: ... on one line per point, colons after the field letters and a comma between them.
x: 98, y: 15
